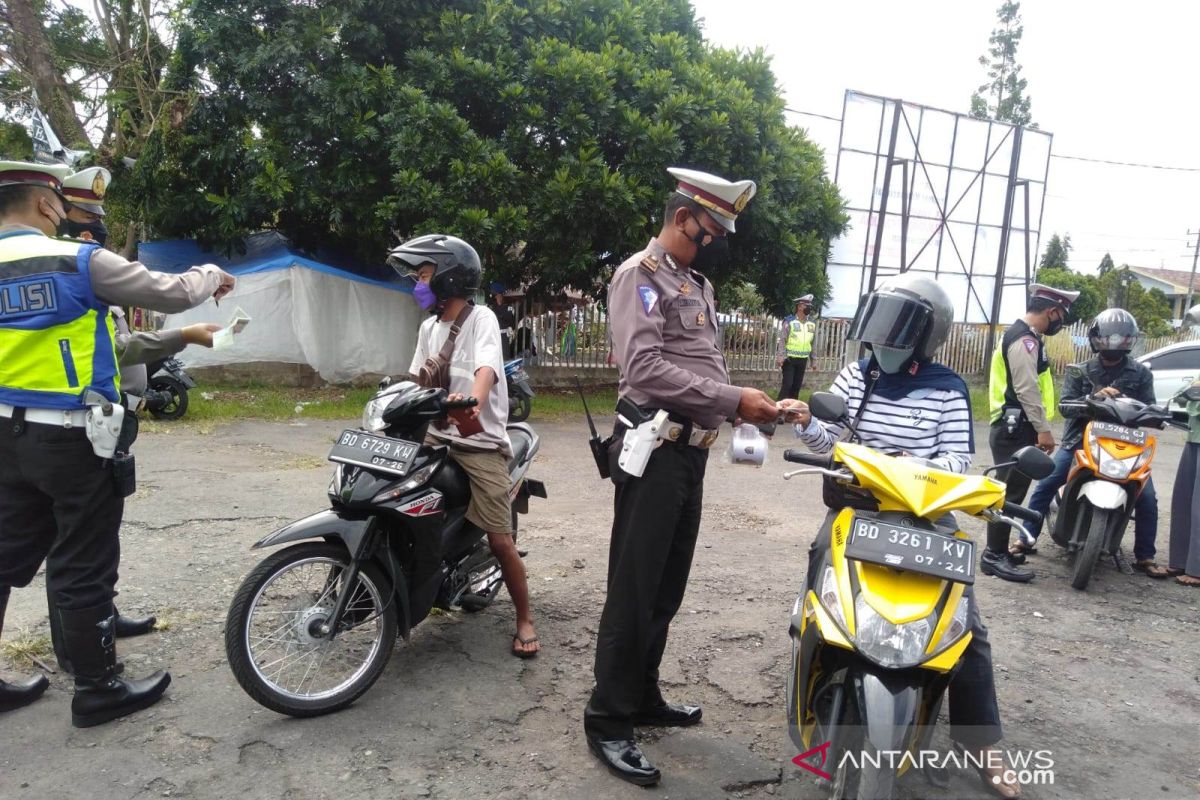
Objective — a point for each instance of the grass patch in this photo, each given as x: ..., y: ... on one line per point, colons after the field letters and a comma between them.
x: 27, y: 650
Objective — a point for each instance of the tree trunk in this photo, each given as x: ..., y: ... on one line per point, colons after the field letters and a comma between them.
x: 34, y: 55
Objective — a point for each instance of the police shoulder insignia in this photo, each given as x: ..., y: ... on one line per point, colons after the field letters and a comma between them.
x: 1030, y: 344
x: 649, y: 297
x: 650, y: 264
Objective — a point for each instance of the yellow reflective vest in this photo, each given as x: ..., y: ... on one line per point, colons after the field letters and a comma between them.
x: 1000, y: 391
x: 57, y: 339
x: 800, y: 338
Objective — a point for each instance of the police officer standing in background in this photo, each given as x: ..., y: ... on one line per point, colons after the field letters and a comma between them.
x: 60, y: 500
x: 664, y: 331
x: 1021, y: 393
x: 795, y: 346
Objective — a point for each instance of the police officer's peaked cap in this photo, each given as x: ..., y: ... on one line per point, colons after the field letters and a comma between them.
x: 1061, y: 297
x: 724, y: 199
x: 807, y: 299
x: 86, y: 189
x: 25, y: 173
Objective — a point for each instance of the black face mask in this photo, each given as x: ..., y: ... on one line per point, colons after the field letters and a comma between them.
x: 710, y: 255
x: 1112, y: 357
x: 97, y: 229
x: 1055, y: 326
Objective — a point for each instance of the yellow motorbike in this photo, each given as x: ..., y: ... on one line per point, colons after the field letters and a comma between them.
x: 884, y: 619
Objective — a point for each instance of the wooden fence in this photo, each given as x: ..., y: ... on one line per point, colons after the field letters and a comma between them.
x: 577, y: 336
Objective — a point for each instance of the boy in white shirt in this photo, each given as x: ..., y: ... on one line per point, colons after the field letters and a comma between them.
x: 447, y: 271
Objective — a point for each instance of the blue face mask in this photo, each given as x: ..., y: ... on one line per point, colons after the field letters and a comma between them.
x: 424, y: 296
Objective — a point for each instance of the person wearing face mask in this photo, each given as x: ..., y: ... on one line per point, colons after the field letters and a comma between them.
x: 61, y: 497
x: 908, y: 405
x: 795, y: 346
x: 662, y: 315
x: 1112, y: 373
x: 1021, y: 399
x: 85, y: 191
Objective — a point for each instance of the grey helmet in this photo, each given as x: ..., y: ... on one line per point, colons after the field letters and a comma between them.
x: 457, y: 268
x: 1113, y: 333
x: 906, y: 319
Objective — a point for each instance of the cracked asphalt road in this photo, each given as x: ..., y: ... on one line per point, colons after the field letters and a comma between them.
x: 1109, y: 680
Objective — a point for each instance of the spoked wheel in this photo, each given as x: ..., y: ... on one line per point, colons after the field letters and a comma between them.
x: 177, y: 405
x: 275, y: 638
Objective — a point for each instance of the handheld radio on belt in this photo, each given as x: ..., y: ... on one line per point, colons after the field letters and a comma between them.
x: 599, y: 447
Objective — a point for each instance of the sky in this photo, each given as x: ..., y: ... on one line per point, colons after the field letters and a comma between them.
x: 1114, y: 81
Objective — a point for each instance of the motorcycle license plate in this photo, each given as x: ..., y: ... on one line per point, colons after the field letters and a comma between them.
x: 1109, y: 430
x: 912, y: 549
x: 379, y: 453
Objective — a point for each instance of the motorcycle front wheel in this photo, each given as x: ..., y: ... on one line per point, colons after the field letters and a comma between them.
x: 1089, y: 553
x: 177, y: 405
x: 520, y: 412
x: 273, y: 637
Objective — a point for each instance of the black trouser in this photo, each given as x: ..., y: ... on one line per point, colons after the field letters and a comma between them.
x: 1003, y: 448
x: 655, y: 521
x: 974, y: 710
x: 57, y: 504
x: 793, y: 378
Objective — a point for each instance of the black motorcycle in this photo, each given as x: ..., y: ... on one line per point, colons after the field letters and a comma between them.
x: 167, y: 393
x: 520, y: 392
x: 311, y: 627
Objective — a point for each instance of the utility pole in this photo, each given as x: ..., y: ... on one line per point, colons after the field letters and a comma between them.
x: 1192, y: 280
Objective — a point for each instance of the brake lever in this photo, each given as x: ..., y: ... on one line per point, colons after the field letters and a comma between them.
x: 1023, y: 533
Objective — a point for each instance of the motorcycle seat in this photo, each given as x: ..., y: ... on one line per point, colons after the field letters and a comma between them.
x: 521, y: 442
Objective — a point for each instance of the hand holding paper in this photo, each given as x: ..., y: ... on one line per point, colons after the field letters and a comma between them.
x: 237, y: 323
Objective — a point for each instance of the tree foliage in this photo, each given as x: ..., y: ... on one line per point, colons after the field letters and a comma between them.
x: 1057, y: 253
x: 1117, y: 288
x: 538, y: 130
x: 1091, y: 297
x: 1106, y: 265
x: 1003, y: 96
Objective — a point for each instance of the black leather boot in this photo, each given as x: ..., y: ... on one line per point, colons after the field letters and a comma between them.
x: 131, y: 626
x: 1001, y: 565
x: 22, y: 693
x: 100, y: 696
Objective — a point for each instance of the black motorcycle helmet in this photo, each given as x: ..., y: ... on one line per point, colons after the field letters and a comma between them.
x: 1113, y: 333
x: 457, y: 268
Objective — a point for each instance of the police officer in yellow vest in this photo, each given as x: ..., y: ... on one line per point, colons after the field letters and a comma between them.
x: 1021, y: 394
x: 61, y: 491
x: 795, y: 346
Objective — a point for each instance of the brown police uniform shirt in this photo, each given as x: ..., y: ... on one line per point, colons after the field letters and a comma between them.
x: 663, y: 319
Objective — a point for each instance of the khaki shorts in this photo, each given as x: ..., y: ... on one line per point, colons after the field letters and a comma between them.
x: 489, y: 507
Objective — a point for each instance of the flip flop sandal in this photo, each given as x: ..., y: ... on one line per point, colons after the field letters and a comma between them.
x: 1175, y: 572
x: 1018, y: 549
x: 525, y: 653
x: 1152, y: 570
x: 1188, y: 580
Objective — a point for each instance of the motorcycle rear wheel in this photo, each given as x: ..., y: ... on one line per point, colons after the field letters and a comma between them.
x: 520, y: 412
x: 177, y: 406
x: 262, y: 633
x: 1099, y: 520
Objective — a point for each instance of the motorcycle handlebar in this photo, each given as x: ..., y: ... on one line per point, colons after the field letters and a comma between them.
x: 811, y: 459
x: 467, y: 402
x: 1021, y: 512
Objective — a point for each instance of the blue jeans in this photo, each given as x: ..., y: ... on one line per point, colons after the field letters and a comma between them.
x: 1145, y: 526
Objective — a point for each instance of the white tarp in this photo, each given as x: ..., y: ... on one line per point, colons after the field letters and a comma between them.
x: 342, y: 328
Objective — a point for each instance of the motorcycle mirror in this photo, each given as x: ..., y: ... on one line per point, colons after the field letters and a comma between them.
x: 1034, y: 463
x: 385, y: 383
x: 827, y: 406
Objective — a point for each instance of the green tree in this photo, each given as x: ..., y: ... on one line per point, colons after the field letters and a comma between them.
x: 1091, y: 297
x: 1120, y: 288
x: 1057, y: 253
x: 539, y: 131
x: 1106, y: 265
x: 1003, y: 96
x: 745, y: 297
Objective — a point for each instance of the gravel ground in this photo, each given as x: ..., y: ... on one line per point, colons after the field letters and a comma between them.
x: 1108, y: 680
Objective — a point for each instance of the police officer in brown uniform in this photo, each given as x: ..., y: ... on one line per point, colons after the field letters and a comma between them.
x: 664, y: 331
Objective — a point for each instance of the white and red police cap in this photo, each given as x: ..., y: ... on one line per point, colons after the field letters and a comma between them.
x: 725, y: 199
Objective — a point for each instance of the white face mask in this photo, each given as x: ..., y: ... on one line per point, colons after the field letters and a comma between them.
x: 892, y: 359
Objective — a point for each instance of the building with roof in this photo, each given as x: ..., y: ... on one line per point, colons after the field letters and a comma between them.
x: 1174, y: 284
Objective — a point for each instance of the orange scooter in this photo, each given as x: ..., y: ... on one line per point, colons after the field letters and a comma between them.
x: 1112, y: 466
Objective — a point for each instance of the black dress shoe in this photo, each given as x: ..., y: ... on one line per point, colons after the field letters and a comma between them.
x: 22, y: 693
x: 1002, y: 566
x: 625, y: 760
x: 668, y: 716
x: 129, y: 626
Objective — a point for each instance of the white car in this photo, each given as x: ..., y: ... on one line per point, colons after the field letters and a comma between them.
x: 1175, y: 367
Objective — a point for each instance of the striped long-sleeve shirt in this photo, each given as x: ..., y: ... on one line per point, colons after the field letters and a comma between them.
x: 928, y: 423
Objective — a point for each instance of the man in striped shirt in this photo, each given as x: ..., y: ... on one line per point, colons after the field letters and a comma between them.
x: 915, y: 407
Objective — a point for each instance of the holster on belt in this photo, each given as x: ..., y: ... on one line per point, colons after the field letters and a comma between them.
x: 1011, y: 418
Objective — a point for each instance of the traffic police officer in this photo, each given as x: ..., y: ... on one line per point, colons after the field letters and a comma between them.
x: 795, y: 346
x: 84, y: 191
x: 59, y: 499
x: 664, y: 331
x: 1021, y: 394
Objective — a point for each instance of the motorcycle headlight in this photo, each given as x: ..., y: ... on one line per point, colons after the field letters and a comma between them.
x: 1113, y: 467
x: 372, y: 418
x: 958, y: 624
x: 886, y: 643
x: 414, y: 480
x: 830, y: 599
